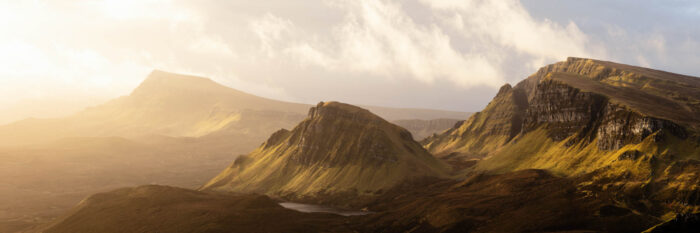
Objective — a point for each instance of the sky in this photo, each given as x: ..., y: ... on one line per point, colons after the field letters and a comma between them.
x: 57, y: 56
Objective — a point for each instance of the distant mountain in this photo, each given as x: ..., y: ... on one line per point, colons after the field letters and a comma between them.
x: 173, y: 129
x: 338, y: 151
x: 629, y: 130
x: 395, y: 114
x: 422, y: 129
x: 173, y: 105
x: 164, y: 104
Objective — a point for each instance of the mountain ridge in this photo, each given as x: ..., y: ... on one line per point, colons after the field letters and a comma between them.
x: 581, y: 119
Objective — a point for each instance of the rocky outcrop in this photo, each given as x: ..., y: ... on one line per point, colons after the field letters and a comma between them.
x: 619, y: 127
x: 565, y: 111
x: 338, y: 150
x: 624, y: 131
x: 655, y: 93
x: 581, y: 101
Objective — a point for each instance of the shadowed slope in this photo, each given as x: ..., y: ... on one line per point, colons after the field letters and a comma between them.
x: 148, y: 209
x: 523, y: 201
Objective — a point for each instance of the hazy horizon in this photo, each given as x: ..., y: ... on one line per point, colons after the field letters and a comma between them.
x: 408, y: 54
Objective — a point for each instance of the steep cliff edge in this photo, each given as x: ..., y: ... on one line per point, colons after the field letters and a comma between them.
x: 623, y: 128
x: 582, y: 101
x: 338, y: 149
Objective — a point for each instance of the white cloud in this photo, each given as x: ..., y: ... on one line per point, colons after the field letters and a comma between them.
x: 142, y: 9
x: 377, y: 37
x: 208, y: 44
x: 299, y: 50
x: 505, y: 27
x: 269, y: 30
x: 465, y: 42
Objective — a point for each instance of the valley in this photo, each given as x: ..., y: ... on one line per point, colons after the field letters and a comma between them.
x: 565, y: 150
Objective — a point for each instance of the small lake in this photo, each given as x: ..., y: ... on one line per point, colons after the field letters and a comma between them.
x: 308, y: 208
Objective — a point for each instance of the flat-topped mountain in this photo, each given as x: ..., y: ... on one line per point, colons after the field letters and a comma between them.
x: 626, y: 128
x: 655, y: 93
x: 338, y: 149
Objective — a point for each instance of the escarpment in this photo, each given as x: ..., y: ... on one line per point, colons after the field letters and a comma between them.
x: 581, y: 102
x: 627, y: 131
x: 567, y: 111
x: 338, y: 150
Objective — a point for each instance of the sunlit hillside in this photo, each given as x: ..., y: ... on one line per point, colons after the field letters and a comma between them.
x: 173, y: 130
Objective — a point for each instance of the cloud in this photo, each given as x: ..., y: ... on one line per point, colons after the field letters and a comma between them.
x: 270, y: 29
x: 141, y: 9
x: 449, y: 54
x: 463, y: 42
x: 507, y: 26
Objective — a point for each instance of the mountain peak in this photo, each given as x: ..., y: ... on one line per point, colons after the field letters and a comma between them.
x: 504, y: 89
x: 164, y: 75
x: 337, y: 148
x: 159, y: 79
x: 337, y: 109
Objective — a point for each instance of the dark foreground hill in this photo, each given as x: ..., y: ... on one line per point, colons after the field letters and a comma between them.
x: 525, y: 201
x: 153, y: 208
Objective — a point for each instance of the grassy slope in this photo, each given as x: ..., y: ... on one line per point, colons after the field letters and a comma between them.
x: 343, y: 162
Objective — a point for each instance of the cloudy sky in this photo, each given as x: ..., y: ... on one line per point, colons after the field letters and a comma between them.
x: 58, y: 56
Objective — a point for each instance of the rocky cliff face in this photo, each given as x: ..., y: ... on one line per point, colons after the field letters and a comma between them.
x: 650, y: 92
x: 623, y: 129
x: 338, y: 149
x: 584, y: 100
x: 567, y: 111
